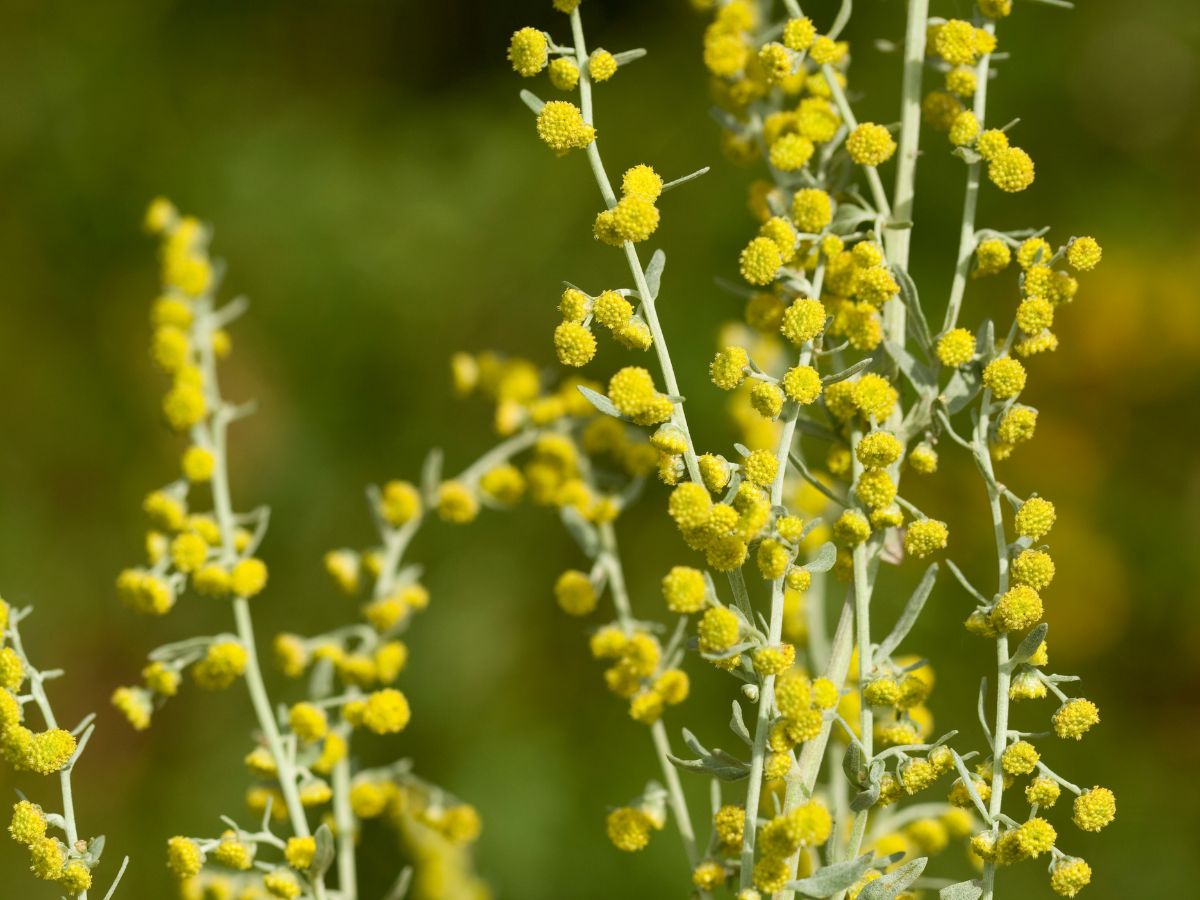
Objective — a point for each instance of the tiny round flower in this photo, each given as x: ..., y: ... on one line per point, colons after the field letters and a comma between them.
x: 1035, y: 518
x: 767, y: 399
x: 1034, y: 251
x: 718, y: 630
x: 197, y: 464
x: 870, y: 144
x: 1017, y: 609
x: 940, y: 109
x: 825, y: 50
x: 684, y: 589
x: 1034, y: 568
x: 564, y: 74
x: 224, y: 662
x: 282, y: 883
x: 629, y: 828
x: 643, y: 181
x: 1005, y: 377
x: 878, y: 449
x: 646, y: 707
x: 812, y: 210
x: 399, y: 502
x: 300, y: 852
x: 881, y: 692
x: 874, y: 396
x: 673, y: 686
x: 527, y: 51
x: 992, y: 256
x: 386, y: 712
x: 188, y: 551
x: 728, y: 368
x: 456, y: 503
x: 1095, y: 808
x: 961, y: 81
x: 1032, y: 838
x: 1020, y: 758
x: 184, y: 406
x: 135, y: 705
x: 573, y: 344
x: 1075, y: 717
x: 965, y: 129
x: 602, y: 65
x: 1034, y: 315
x: 925, y: 537
x: 709, y: 875
x: 308, y: 722
x: 791, y: 152
x: 851, y: 528
x: 761, y: 467
x: 956, y: 42
x: 776, y: 62
x: 923, y: 459
x: 184, y: 858
x: 803, y: 320
x: 1083, y: 254
x: 233, y: 853
x: 633, y: 219
x: 28, y: 823
x: 714, y: 471
x: 248, y: 577
x: 991, y: 143
x: 875, y: 489
x: 1011, y: 170
x: 773, y: 559
x: 799, y: 34
x: 802, y: 384
x: 561, y: 126
x: 574, y: 593
x: 759, y: 262
x: 1042, y: 792
x: 729, y: 824
x: 1069, y: 876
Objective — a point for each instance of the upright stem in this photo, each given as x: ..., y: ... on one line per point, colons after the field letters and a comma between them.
x: 966, y: 232
x: 678, y: 416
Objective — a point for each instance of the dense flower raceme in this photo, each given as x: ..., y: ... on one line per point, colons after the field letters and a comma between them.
x: 839, y: 387
x: 303, y: 778
x: 57, y: 853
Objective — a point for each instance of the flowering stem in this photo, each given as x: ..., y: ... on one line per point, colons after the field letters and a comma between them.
x: 966, y: 234
x: 678, y: 417
x: 873, y: 180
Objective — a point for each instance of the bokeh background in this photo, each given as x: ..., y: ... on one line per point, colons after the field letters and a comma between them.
x: 379, y: 193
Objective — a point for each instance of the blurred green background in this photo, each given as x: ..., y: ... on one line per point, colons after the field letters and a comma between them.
x: 379, y: 193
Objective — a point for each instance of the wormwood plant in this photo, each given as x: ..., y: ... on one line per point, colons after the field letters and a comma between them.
x: 68, y: 861
x: 841, y: 387
x: 309, y: 796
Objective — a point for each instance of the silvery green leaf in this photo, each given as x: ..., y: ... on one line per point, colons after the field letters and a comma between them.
x: 918, y: 327
x: 323, y: 858
x: 602, y: 403
x: 919, y: 374
x: 891, y: 885
x: 737, y: 724
x: 95, y: 849
x: 967, y: 154
x: 963, y: 890
x: 532, y: 100
x: 581, y: 530
x: 1029, y: 645
x: 400, y: 888
x: 970, y: 783
x: 866, y: 798
x: 824, y: 558
x: 711, y: 766
x: 908, y: 617
x: 628, y: 56
x: 815, y: 429
x: 961, y: 389
x: 829, y: 880
x: 847, y: 373
x: 693, y: 743
x: 853, y: 765
x: 431, y: 475
x: 654, y: 272
x: 985, y: 342
x: 848, y: 217
x: 684, y: 179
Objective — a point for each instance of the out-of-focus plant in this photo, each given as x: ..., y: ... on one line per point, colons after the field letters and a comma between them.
x: 68, y: 862
x: 310, y: 795
x: 859, y: 390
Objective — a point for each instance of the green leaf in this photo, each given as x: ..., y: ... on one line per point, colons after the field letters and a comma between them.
x: 848, y: 217
x: 961, y: 389
x: 431, y: 475
x: 963, y: 890
x: 891, y: 885
x: 581, y: 530
x: 830, y: 880
x: 323, y: 858
x: 967, y: 155
x: 654, y: 273
x: 533, y: 101
x: 908, y: 617
x: 737, y: 724
x: 824, y: 559
x: 847, y: 373
x: 918, y: 373
x: 866, y: 798
x: 918, y: 327
x: 1029, y: 645
x: 602, y: 403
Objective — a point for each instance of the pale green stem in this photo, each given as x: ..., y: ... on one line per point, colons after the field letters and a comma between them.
x: 966, y: 232
x: 38, y: 690
x: 223, y: 508
x: 899, y: 239
x: 679, y: 417
x: 611, y: 560
x: 882, y: 206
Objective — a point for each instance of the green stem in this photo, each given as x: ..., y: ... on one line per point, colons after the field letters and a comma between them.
x: 966, y: 232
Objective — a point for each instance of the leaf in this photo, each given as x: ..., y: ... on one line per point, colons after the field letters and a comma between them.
x: 908, y: 617
x: 628, y: 56
x: 832, y: 879
x: 602, y: 403
x: 985, y: 342
x: 852, y: 765
x: 1029, y: 646
x: 323, y: 857
x: 431, y: 475
x: 970, y: 783
x: 848, y: 217
x: 963, y: 890
x: 711, y: 766
x: 918, y: 373
x: 961, y: 389
x: 581, y: 530
x: 533, y: 101
x: 847, y: 373
x: 737, y: 724
x: 892, y: 884
x: 918, y: 327
x: 824, y: 559
x: 867, y: 798
x: 654, y: 273
x: 967, y: 154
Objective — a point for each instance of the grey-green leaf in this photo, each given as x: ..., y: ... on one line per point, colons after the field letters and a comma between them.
x: 737, y: 724
x: 431, y: 475
x: 827, y: 881
x: 918, y: 327
x: 891, y: 885
x: 963, y: 890
x: 602, y: 403
x: 581, y: 530
x: 846, y: 373
x: 323, y: 858
x: 918, y: 373
x: 912, y: 610
x: 824, y: 558
x: 654, y: 272
x: 1029, y: 645
x: 533, y: 101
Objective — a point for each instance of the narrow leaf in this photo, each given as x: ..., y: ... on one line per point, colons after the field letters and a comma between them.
x: 654, y: 271
x: 1029, y: 645
x: 963, y: 890
x: 824, y: 559
x: 891, y: 885
x: 602, y: 403
x: 846, y: 373
x: 912, y: 610
x: 832, y: 879
x: 532, y: 100
x: 917, y: 324
x: 737, y: 724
